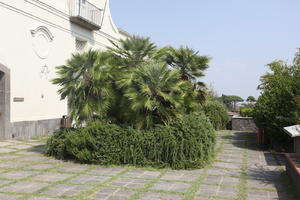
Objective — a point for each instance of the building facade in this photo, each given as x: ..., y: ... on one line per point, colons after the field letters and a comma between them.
x: 36, y: 36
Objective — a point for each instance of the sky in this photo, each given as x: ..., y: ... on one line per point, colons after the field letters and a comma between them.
x: 241, y: 36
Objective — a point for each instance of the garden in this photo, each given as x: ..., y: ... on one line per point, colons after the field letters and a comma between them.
x: 137, y: 104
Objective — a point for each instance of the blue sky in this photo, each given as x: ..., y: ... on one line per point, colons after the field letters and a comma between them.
x: 241, y: 36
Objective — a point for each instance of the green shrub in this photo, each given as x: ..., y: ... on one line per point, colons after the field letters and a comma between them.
x: 279, y: 103
x: 246, y: 111
x: 217, y: 113
x: 184, y: 143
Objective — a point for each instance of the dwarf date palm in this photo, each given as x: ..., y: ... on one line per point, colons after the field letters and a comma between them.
x: 133, y: 51
x: 154, y: 94
x: 84, y: 81
x: 187, y: 61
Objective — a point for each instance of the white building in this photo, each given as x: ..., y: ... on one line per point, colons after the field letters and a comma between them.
x: 35, y: 37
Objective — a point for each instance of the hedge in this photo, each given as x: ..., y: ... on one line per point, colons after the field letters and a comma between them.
x: 217, y: 113
x: 184, y: 143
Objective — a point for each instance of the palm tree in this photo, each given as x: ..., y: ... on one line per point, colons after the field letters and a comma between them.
x: 154, y: 93
x: 187, y: 61
x: 133, y: 51
x: 84, y: 81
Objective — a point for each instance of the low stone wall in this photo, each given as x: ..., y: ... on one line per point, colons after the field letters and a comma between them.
x: 33, y: 129
x: 293, y: 160
x: 243, y: 124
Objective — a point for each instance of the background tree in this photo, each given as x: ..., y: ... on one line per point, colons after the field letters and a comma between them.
x: 279, y: 103
x: 231, y: 100
x: 251, y: 99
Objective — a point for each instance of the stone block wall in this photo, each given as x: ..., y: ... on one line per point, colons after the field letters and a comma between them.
x: 243, y: 124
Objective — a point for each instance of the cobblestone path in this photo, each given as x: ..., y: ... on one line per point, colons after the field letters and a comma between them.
x: 241, y: 171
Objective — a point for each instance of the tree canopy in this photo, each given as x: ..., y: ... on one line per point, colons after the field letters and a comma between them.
x: 279, y: 103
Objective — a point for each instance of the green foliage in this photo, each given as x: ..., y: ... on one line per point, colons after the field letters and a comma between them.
x: 154, y: 93
x: 279, y: 104
x: 85, y: 83
x: 251, y: 99
x: 231, y: 100
x: 246, y: 111
x: 217, y: 113
x: 187, y: 61
x: 133, y: 83
x: 186, y: 142
x: 133, y: 51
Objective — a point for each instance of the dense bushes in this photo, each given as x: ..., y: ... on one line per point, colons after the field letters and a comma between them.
x: 279, y: 104
x: 217, y: 113
x: 246, y: 111
x: 148, y: 96
x: 186, y: 142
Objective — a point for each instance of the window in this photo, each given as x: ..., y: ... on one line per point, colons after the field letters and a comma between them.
x: 80, y: 45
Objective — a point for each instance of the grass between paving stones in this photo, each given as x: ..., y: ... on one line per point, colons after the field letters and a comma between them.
x: 87, y: 194
x: 192, y: 192
x: 242, y: 186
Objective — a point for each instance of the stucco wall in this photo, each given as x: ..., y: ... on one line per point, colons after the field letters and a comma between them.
x: 29, y: 78
x: 17, y: 48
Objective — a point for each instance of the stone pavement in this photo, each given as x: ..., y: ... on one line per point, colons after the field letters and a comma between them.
x: 240, y: 171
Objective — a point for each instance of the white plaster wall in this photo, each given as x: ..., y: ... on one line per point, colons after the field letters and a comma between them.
x: 18, y: 17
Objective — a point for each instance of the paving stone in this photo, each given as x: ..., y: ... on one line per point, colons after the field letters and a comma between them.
x: 263, y: 173
x: 7, y: 150
x: 8, y: 157
x: 74, y: 168
x: 231, y: 155
x: 44, y: 198
x: 106, y: 171
x: 17, y: 174
x: 230, y: 159
x: 12, y: 164
x: 20, y: 146
x: 136, y: 173
x: 9, y: 196
x: 217, y: 180
x: 257, y: 194
x: 224, y: 172
x: 4, y: 144
x: 3, y: 182
x: 130, y: 183
x: 160, y: 196
x: 198, y: 171
x: 227, y: 165
x: 171, y: 186
x: 204, y: 198
x: 217, y: 190
x: 24, y: 187
x: 52, y: 177
x: 29, y: 153
x: 41, y: 166
x: 180, y: 176
x: 65, y: 189
x: 33, y: 158
x: 230, y: 180
x: 88, y: 179
x: 113, y: 194
x: 264, y: 184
